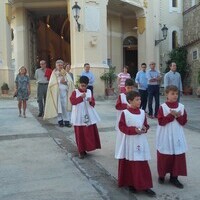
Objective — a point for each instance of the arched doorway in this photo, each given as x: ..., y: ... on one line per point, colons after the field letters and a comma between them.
x: 53, y: 38
x: 130, y: 54
x: 48, y: 36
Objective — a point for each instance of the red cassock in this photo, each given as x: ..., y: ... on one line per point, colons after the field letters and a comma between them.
x: 87, y: 137
x: 133, y: 173
x: 48, y: 73
x: 173, y: 164
x: 120, y: 105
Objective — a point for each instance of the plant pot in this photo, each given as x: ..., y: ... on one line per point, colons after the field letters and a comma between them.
x: 109, y: 91
x: 4, y: 91
x: 198, y: 91
x: 187, y: 90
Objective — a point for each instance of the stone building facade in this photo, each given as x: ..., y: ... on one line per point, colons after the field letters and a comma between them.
x: 191, y: 37
x: 116, y: 32
x: 171, y: 15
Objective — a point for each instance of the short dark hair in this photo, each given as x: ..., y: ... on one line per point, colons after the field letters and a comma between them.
x: 131, y: 95
x: 86, y: 64
x: 125, y: 66
x: 84, y: 79
x: 129, y: 82
x: 144, y: 64
x: 171, y: 63
x: 171, y: 88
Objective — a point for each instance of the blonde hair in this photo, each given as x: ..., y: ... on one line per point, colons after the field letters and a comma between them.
x: 24, y: 69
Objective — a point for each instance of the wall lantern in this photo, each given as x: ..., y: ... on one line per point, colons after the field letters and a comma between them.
x: 76, y: 12
x: 164, y: 31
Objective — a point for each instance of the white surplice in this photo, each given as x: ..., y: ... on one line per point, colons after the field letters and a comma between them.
x: 82, y: 109
x: 170, y: 139
x: 132, y: 147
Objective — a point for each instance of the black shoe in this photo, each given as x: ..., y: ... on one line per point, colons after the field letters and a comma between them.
x: 150, y: 193
x: 60, y: 123
x: 132, y: 189
x: 161, y: 180
x: 81, y: 155
x: 40, y: 115
x: 67, y: 124
x: 174, y: 181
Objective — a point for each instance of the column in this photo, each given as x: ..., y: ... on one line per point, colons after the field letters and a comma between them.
x: 20, y: 38
x: 6, y: 70
x: 90, y: 44
x: 157, y: 31
x: 147, y: 51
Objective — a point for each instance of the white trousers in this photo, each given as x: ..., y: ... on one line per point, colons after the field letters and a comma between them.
x: 62, y: 106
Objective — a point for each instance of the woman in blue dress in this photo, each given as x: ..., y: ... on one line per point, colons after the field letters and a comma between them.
x: 22, y: 90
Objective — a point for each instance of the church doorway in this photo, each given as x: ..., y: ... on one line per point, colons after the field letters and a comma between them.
x: 130, y: 57
x: 49, y: 36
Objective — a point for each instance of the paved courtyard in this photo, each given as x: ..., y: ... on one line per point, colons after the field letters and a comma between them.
x: 39, y: 160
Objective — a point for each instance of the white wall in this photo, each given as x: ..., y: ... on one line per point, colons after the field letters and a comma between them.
x: 173, y: 19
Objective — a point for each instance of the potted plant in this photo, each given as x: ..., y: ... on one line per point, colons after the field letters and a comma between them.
x: 187, y: 90
x: 198, y: 88
x: 4, y: 88
x: 109, y: 77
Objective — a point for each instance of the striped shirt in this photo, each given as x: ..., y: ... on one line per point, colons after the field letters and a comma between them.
x: 122, y: 76
x: 173, y: 78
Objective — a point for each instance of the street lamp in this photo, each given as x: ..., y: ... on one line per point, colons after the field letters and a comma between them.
x: 76, y: 12
x: 164, y: 31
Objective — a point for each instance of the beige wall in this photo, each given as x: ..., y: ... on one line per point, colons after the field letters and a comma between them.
x: 174, y: 21
x: 194, y: 65
x: 90, y: 44
x: 191, y: 25
x: 115, y: 43
x: 96, y: 46
x: 6, y: 70
x: 20, y: 42
x: 189, y: 3
x: 191, y: 36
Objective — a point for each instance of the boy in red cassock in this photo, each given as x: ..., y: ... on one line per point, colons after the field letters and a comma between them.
x: 170, y: 140
x: 84, y: 118
x: 132, y: 148
x: 122, y: 103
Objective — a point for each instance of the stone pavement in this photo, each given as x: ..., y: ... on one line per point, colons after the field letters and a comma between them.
x: 192, y: 131
x: 32, y: 166
x: 39, y: 160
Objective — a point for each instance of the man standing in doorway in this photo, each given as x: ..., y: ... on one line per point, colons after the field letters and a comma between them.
x: 173, y: 78
x: 153, y: 77
x: 141, y: 80
x: 90, y: 75
x: 42, y: 76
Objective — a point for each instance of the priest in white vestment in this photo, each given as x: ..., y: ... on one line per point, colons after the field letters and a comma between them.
x: 59, y: 90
